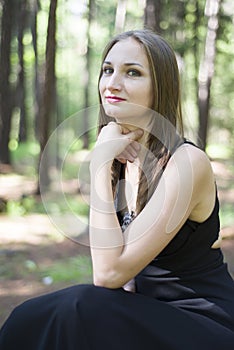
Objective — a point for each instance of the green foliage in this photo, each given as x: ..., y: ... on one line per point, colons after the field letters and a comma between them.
x: 226, y: 215
x: 18, y: 265
x: 73, y: 270
x: 26, y: 205
x: 29, y: 204
x: 183, y: 23
x: 67, y: 204
x: 25, y: 156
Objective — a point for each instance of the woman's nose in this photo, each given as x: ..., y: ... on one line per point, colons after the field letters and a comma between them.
x: 114, y: 82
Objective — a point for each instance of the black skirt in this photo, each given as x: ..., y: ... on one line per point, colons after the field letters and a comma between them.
x: 86, y: 317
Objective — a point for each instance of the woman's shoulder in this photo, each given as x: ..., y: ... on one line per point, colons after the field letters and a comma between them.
x: 195, y: 156
x: 204, y: 188
x: 189, y: 156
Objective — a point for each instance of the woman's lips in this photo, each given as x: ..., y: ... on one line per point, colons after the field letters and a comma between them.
x: 114, y: 99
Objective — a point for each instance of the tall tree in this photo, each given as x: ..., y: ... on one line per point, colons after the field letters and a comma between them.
x: 35, y: 7
x: 20, y: 93
x: 5, y: 88
x: 47, y: 106
x: 152, y: 15
x: 120, y: 16
x: 85, y: 135
x: 206, y: 69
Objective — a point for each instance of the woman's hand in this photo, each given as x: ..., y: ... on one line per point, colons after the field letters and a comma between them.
x: 119, y: 142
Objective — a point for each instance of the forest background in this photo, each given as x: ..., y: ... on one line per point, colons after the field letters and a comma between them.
x: 50, y: 53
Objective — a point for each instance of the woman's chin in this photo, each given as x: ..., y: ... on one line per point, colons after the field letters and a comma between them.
x: 115, y: 110
x: 128, y: 113
x: 119, y: 116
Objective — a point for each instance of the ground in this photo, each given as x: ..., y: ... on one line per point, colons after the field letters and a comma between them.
x: 35, y: 258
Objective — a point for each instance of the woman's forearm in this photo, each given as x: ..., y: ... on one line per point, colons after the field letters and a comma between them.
x: 106, y: 238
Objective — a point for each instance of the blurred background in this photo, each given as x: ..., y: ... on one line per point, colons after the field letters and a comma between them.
x: 50, y: 54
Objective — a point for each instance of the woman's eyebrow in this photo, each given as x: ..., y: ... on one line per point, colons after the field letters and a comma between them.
x: 126, y: 64
x: 133, y: 64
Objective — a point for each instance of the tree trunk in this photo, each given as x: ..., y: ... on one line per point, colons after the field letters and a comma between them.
x: 21, y: 74
x: 5, y: 88
x: 85, y: 135
x: 206, y: 69
x: 47, y: 106
x: 152, y: 15
x: 120, y: 16
x: 196, y: 39
x: 37, y: 86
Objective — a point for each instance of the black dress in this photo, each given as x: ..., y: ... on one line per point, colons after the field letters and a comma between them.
x: 184, y: 300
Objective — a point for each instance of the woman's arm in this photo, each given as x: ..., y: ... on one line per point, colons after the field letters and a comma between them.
x: 186, y: 181
x: 106, y: 237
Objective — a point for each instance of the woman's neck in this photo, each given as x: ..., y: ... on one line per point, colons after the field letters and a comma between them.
x: 145, y: 123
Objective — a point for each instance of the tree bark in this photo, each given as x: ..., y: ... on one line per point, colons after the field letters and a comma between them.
x: 85, y: 135
x: 120, y: 16
x: 37, y: 89
x: 5, y: 88
x: 21, y: 74
x: 47, y: 106
x: 152, y: 15
x: 206, y: 69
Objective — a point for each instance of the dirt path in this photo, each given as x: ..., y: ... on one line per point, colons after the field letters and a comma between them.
x: 25, y: 255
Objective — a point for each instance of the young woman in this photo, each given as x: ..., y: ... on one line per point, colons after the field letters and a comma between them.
x: 159, y: 280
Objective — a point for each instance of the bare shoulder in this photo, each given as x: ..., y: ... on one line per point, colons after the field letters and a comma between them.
x: 197, y: 158
x: 204, y: 189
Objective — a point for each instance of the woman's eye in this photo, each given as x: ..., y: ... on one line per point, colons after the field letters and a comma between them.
x: 108, y: 70
x: 134, y: 73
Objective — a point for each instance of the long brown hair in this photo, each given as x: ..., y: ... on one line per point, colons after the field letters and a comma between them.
x: 167, y: 130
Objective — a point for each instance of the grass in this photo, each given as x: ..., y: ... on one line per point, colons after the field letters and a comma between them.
x: 12, y: 265
x: 16, y: 265
x: 24, y: 157
x: 72, y: 270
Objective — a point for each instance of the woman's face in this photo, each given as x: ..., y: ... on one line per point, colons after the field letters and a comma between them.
x: 126, y: 83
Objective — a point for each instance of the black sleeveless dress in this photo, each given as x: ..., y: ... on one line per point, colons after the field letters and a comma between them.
x: 184, y: 300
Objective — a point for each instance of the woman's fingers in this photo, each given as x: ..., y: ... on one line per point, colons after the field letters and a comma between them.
x: 122, y: 130
x: 132, y: 150
x: 130, y: 153
x: 122, y: 143
x: 135, y: 134
x: 126, y: 156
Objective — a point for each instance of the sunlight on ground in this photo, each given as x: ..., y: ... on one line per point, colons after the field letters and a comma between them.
x: 12, y: 186
x: 32, y: 229
x: 20, y: 289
